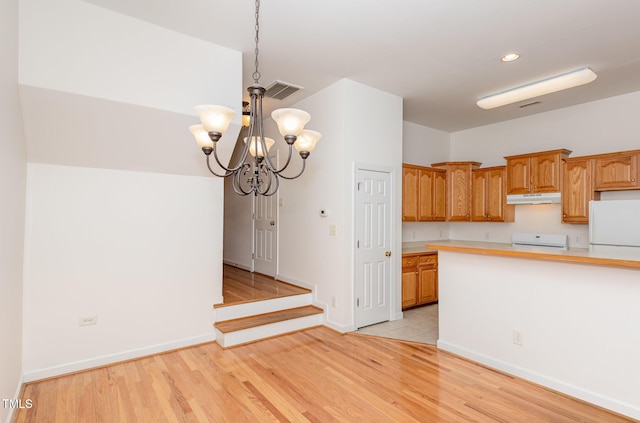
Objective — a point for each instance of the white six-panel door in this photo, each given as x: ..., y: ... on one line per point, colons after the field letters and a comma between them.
x: 373, y: 247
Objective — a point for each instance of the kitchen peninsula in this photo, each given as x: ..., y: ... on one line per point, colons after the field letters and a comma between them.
x: 564, y: 319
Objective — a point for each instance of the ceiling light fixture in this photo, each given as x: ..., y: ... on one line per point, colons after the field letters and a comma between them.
x: 536, y: 89
x: 254, y: 172
x: 510, y: 57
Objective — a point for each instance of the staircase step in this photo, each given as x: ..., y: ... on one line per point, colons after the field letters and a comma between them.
x: 250, y: 329
x: 266, y: 318
x: 246, y: 309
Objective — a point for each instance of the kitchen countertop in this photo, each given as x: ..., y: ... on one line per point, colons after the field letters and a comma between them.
x: 416, y: 247
x: 611, y: 257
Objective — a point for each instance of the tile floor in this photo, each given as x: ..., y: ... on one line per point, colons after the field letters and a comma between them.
x: 418, y: 325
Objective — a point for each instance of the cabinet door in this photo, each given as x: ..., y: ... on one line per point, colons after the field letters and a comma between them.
x: 427, y: 292
x: 425, y: 197
x: 409, y: 286
x: 439, y: 195
x: 496, y: 208
x: 479, y: 195
x: 545, y: 173
x: 409, y: 194
x: 459, y: 190
x: 617, y: 172
x: 577, y: 190
x: 518, y: 174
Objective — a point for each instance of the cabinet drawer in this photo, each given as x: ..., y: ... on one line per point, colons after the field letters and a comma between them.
x: 430, y: 259
x: 409, y: 261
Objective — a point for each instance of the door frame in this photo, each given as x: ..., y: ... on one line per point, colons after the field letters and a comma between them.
x: 395, y: 297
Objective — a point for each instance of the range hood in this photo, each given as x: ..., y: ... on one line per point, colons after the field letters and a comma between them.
x: 543, y: 198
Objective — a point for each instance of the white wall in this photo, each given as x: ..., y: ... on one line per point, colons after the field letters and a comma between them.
x: 142, y: 251
x: 359, y: 124
x: 12, y: 187
x: 76, y: 47
x: 579, y: 323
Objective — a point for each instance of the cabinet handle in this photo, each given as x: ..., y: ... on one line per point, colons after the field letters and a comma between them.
x: 564, y: 215
x: 633, y: 180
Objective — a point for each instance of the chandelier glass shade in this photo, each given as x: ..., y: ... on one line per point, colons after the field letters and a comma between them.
x: 254, y: 172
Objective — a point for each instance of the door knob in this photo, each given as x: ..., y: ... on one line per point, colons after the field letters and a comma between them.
x: 272, y: 223
x: 387, y: 253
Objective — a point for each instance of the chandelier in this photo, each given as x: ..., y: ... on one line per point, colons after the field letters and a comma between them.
x: 254, y: 172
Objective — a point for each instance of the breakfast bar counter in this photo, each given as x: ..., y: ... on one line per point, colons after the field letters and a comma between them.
x: 564, y: 319
x: 613, y: 256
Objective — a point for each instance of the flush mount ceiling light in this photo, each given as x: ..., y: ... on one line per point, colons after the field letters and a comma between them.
x: 254, y: 173
x: 510, y: 57
x: 536, y: 89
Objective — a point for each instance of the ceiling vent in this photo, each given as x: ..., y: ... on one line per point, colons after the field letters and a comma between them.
x: 281, y: 90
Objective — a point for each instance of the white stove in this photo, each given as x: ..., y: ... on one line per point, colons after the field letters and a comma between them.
x: 554, y: 241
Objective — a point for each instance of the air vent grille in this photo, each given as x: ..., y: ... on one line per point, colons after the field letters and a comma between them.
x: 281, y: 90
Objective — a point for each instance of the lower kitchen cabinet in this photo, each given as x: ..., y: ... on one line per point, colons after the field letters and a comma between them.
x: 419, y: 279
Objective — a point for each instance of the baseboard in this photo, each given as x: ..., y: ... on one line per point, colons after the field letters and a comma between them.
x: 238, y: 265
x: 555, y: 384
x: 296, y: 282
x: 15, y: 396
x: 105, y: 360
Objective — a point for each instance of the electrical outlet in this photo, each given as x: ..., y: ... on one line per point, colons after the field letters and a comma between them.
x: 88, y: 320
x: 333, y: 230
x: 518, y: 337
x: 334, y: 302
x: 486, y: 236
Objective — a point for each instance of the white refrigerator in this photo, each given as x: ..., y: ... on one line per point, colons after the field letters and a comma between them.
x: 614, y: 223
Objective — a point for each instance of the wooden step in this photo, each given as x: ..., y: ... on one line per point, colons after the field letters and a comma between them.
x: 266, y: 318
x: 244, y: 330
x: 237, y: 311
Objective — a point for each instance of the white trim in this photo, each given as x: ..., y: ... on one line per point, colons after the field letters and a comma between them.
x: 339, y: 328
x: 555, y: 384
x: 115, y: 358
x: 296, y: 282
x: 15, y: 396
x: 238, y: 265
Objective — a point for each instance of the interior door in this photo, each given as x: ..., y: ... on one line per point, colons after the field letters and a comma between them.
x: 373, y: 247
x: 265, y: 224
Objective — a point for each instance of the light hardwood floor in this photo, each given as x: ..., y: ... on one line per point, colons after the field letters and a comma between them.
x: 240, y: 286
x: 316, y: 375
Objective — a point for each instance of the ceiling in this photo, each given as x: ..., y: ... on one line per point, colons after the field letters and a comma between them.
x: 440, y: 56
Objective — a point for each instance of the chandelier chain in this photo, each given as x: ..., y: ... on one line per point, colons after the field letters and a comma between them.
x: 256, y: 75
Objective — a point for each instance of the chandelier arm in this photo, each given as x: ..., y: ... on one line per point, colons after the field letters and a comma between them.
x: 286, y: 164
x: 226, y: 173
x: 227, y: 169
x: 237, y: 187
x: 273, y: 181
x: 304, y: 164
x: 277, y: 185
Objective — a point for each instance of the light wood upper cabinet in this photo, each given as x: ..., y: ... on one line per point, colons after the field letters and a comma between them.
x: 577, y: 190
x: 616, y: 171
x: 409, y: 193
x: 423, y: 194
x: 488, y: 194
x: 432, y: 194
x: 535, y: 172
x: 458, y: 195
